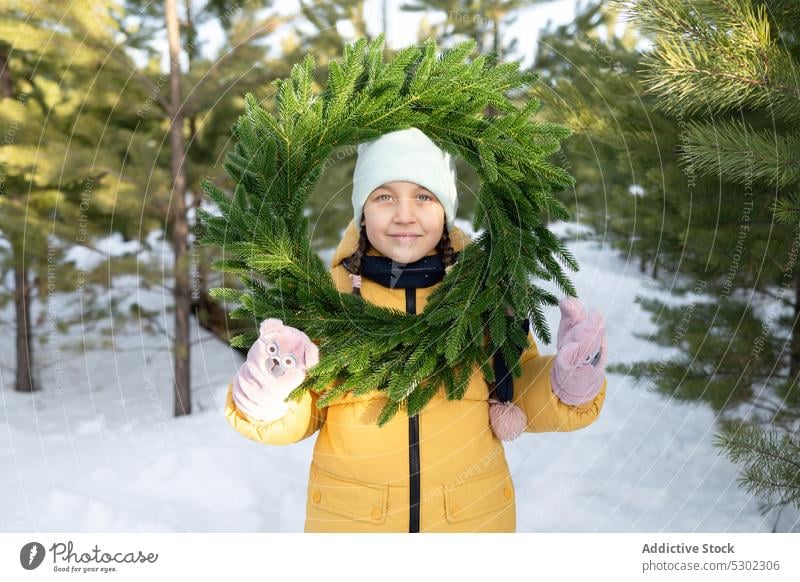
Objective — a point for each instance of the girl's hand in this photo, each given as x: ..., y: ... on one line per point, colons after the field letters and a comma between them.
x: 276, y: 364
x: 579, y: 368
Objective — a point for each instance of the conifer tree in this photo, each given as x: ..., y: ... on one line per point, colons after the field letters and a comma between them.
x: 588, y: 80
x: 326, y: 42
x: 484, y: 21
x: 634, y: 194
x: 197, y: 123
x: 729, y: 68
x: 60, y: 159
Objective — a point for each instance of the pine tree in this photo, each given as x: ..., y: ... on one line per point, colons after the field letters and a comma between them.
x: 589, y: 81
x: 327, y: 23
x: 770, y: 459
x: 724, y: 57
x: 276, y: 164
x: 197, y: 126
x: 325, y: 17
x: 730, y: 66
x: 60, y: 182
x: 676, y: 222
x: 481, y: 20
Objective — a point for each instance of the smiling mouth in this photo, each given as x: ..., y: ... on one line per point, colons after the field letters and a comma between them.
x: 405, y: 236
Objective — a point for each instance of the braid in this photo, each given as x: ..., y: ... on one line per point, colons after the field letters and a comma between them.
x: 445, y: 249
x: 353, y: 262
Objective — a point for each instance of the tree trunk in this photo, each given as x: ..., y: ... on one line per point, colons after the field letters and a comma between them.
x: 180, y: 229
x: 359, y: 22
x: 795, y: 351
x: 209, y: 314
x: 22, y: 302
x: 5, y: 76
x: 496, y: 39
x: 479, y: 29
x: 385, y: 18
x: 22, y: 290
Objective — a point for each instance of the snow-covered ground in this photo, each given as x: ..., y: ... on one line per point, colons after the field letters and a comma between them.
x: 98, y: 449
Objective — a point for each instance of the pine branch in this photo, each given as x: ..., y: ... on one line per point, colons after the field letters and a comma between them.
x: 717, y: 55
x: 771, y: 460
x: 738, y: 153
x: 787, y: 210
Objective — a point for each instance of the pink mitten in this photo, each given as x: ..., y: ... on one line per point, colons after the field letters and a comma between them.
x: 276, y: 364
x: 579, y: 368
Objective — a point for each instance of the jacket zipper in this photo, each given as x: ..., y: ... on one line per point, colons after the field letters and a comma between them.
x: 413, y: 442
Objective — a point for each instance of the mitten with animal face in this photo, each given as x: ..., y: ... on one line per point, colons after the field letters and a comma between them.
x: 276, y: 364
x: 579, y: 368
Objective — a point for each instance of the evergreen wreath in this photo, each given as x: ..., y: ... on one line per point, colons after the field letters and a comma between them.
x: 483, y: 299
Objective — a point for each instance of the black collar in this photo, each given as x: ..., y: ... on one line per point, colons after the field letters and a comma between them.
x: 425, y: 272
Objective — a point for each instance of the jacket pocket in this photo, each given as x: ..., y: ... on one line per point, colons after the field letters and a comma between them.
x: 347, y: 497
x: 479, y: 496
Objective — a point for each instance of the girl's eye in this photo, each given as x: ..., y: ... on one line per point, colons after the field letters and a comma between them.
x: 272, y: 348
x: 426, y: 196
x: 592, y: 358
x: 289, y: 361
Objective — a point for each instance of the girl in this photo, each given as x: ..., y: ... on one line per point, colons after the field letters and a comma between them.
x: 443, y: 470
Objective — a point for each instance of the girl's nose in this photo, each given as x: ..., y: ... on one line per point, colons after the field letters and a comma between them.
x: 405, y: 211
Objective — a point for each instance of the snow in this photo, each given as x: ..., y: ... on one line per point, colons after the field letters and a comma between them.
x: 111, y: 246
x: 99, y: 450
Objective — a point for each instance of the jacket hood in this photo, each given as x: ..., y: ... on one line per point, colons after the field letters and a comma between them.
x: 347, y: 246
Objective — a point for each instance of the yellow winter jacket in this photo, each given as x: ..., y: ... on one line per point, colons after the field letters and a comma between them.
x: 442, y: 471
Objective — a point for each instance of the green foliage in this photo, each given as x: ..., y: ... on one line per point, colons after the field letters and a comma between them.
x: 690, y: 189
x: 712, y: 58
x: 275, y: 165
x: 771, y: 461
x: 484, y: 21
x: 742, y: 154
x: 717, y: 55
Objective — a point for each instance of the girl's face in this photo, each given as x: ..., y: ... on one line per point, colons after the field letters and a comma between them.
x: 404, y: 220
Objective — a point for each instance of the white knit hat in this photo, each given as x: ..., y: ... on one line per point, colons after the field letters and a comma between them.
x: 408, y: 155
